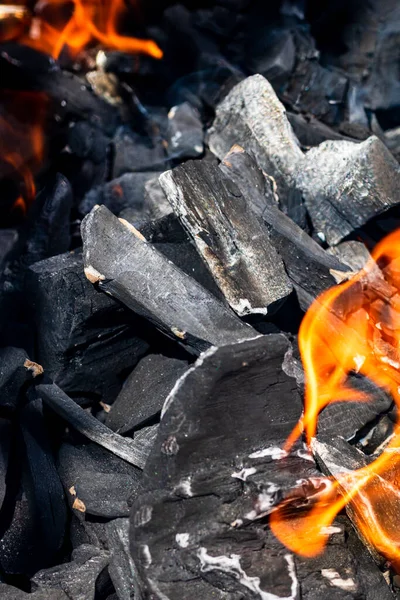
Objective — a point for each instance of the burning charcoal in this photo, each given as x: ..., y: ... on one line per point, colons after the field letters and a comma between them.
x: 252, y: 116
x: 228, y: 236
x: 352, y: 253
x: 206, y: 476
x: 153, y: 287
x: 15, y: 370
x: 309, y: 267
x: 185, y: 132
x: 77, y: 578
x: 85, y: 340
x: 144, y: 392
x: 69, y: 94
x: 97, y: 483
x: 88, y: 425
x: 345, y: 184
x: 134, y: 153
x: 121, y: 567
x: 128, y: 192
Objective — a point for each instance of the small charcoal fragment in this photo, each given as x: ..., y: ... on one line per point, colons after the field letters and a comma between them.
x: 15, y: 370
x: 121, y: 567
x: 137, y: 274
x: 134, y: 153
x: 185, y: 132
x: 228, y: 236
x: 144, y: 392
x: 345, y: 184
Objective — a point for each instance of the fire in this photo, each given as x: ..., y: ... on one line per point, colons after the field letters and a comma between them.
x: 22, y: 140
x: 76, y: 24
x: 353, y: 327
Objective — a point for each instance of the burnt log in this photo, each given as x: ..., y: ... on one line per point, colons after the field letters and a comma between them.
x: 149, y: 284
x: 228, y: 236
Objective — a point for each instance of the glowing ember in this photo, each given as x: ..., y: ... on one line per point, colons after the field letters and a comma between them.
x: 354, y: 327
x: 76, y: 24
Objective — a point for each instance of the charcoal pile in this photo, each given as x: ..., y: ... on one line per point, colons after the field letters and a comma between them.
x: 186, y: 207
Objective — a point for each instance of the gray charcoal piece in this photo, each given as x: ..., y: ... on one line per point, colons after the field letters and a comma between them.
x: 253, y: 117
x: 121, y: 567
x: 76, y: 578
x: 144, y: 392
x: 345, y: 184
x: 228, y: 236
x: 185, y: 132
x: 308, y: 266
x: 135, y: 273
x: 102, y: 482
x: 9, y: 592
x: 352, y: 253
x: 217, y: 465
x: 136, y: 194
x: 135, y: 153
x: 85, y: 340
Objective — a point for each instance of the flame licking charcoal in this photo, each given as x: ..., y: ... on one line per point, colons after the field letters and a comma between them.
x: 353, y: 327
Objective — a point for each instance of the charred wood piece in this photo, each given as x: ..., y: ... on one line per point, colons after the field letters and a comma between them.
x: 133, y: 271
x: 228, y: 236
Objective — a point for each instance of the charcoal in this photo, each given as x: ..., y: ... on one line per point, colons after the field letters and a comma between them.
x: 273, y: 56
x: 252, y: 116
x: 311, y: 132
x: 207, y: 475
x: 87, y: 425
x: 76, y: 578
x: 8, y: 592
x: 312, y: 88
x: 43, y: 486
x: 309, y: 266
x: 85, y: 340
x: 345, y: 184
x: 128, y: 192
x: 8, y: 241
x: 185, y: 256
x: 134, y: 153
x: 144, y: 392
x: 68, y: 92
x: 352, y: 253
x: 15, y: 371
x: 87, y: 141
x: 144, y: 440
x: 6, y: 432
x: 121, y: 567
x: 153, y: 287
x: 96, y: 483
x: 228, y: 236
x: 185, y: 132
x: 165, y: 230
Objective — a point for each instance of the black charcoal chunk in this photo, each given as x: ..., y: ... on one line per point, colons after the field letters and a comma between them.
x: 137, y: 195
x: 87, y: 141
x: 228, y: 236
x: 133, y: 271
x: 218, y: 464
x: 85, y: 340
x: 97, y: 483
x: 144, y: 392
x: 185, y: 132
x: 8, y: 592
x: 8, y: 241
x: 311, y: 132
x: 88, y: 425
x: 76, y: 578
x: 134, y: 153
x: 15, y: 370
x: 273, y: 56
x: 345, y: 184
x: 253, y: 117
x: 6, y: 436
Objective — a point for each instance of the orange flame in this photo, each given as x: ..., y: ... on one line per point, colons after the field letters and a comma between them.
x: 22, y: 141
x: 78, y: 23
x: 353, y: 327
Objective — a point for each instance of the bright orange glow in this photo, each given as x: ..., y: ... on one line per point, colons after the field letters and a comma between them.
x: 353, y: 327
x: 78, y: 23
x: 22, y: 142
